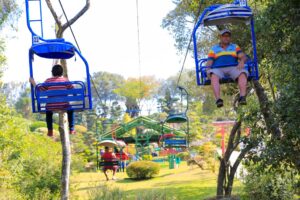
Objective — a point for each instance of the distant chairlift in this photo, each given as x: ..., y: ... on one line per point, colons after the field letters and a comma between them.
x: 178, y: 112
x: 235, y: 13
x: 79, y: 98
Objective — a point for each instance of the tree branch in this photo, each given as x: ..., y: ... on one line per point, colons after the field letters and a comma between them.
x: 76, y: 17
x: 229, y: 149
x: 56, y: 18
x: 237, y: 139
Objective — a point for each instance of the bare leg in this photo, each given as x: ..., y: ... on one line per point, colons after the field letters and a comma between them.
x: 242, y: 81
x: 215, y: 85
x: 105, y: 173
x: 114, y: 172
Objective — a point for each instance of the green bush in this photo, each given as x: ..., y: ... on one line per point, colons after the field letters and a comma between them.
x: 37, y: 124
x: 142, y: 169
x: 80, y: 129
x: 40, y: 173
x: 268, y: 185
x: 40, y: 124
x: 30, y: 163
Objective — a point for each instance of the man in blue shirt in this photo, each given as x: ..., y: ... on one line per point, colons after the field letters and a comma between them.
x: 220, y: 58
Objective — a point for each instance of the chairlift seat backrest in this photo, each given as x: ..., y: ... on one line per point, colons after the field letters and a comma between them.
x: 60, y: 99
x: 109, y: 163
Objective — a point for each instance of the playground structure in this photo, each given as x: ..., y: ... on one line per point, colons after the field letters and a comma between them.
x: 148, y: 131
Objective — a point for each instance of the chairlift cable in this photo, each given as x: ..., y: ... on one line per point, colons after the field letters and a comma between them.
x: 190, y: 41
x: 69, y: 25
x: 138, y: 44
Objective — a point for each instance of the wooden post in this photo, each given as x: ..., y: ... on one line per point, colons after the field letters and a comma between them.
x: 66, y: 154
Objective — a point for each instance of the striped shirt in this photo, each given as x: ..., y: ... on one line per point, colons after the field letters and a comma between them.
x: 56, y: 79
x: 223, y: 56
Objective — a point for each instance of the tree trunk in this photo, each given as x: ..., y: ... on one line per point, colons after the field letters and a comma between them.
x: 221, y: 179
x: 222, y: 185
x: 229, y: 186
x: 66, y: 149
x: 225, y: 188
x: 271, y: 124
x: 63, y: 124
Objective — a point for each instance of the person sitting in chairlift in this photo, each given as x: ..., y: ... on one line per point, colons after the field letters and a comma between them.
x: 57, y: 76
x: 226, y: 53
x: 109, y: 157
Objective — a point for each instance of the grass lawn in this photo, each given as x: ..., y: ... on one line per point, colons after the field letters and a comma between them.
x: 184, y: 183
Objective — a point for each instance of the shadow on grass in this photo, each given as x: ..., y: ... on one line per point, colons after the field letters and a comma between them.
x: 129, y: 180
x: 88, y: 188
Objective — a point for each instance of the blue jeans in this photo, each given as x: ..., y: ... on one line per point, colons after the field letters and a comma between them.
x: 49, y: 119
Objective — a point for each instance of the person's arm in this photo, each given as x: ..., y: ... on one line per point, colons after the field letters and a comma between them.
x: 209, y: 63
x: 241, y: 58
x: 32, y: 81
x: 210, y: 58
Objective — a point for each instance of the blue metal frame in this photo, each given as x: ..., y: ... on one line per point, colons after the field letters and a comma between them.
x: 56, y: 49
x: 251, y: 65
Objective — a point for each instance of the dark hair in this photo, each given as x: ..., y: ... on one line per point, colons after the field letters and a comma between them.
x: 106, y: 148
x: 57, y: 70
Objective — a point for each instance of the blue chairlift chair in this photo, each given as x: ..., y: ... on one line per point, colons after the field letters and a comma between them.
x: 79, y: 98
x: 219, y: 14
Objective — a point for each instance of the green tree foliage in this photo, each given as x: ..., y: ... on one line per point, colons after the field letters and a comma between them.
x: 9, y: 12
x: 280, y: 56
x: 106, y: 101
x: 2, y: 60
x: 39, y: 124
x: 136, y: 90
x: 23, y: 104
x: 12, y: 91
x: 269, y: 185
x: 30, y: 163
x: 180, y: 21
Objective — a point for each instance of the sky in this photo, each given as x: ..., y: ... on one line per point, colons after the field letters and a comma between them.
x: 107, y: 37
